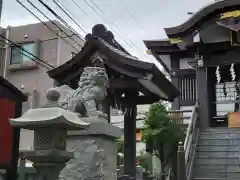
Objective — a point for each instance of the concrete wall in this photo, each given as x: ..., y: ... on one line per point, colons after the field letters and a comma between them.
x: 34, y: 81
x: 118, y: 120
x: 140, y: 147
x: 186, y: 114
x: 65, y: 50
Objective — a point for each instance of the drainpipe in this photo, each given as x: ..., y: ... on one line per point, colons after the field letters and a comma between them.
x: 58, y: 53
x: 1, y: 2
x: 58, y: 47
x: 6, y: 48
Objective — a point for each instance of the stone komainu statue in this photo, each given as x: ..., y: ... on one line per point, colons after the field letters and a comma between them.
x: 87, y: 99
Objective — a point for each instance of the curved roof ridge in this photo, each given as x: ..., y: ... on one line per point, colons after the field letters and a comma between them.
x: 205, y: 11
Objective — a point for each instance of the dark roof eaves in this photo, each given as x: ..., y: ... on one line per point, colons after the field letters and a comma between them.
x: 11, y: 87
x: 204, y: 12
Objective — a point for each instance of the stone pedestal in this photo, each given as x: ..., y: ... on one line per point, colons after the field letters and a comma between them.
x: 50, y: 127
x: 95, y: 155
x: 139, y: 173
x: 48, y: 163
x: 2, y: 174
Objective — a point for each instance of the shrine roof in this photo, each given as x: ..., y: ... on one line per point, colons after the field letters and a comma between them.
x: 118, y: 59
x: 9, y: 91
x: 163, y: 46
x: 199, y: 18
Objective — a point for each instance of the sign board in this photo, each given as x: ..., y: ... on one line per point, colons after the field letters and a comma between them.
x: 234, y: 120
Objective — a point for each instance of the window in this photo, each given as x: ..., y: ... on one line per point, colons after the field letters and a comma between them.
x: 19, y: 56
x: 187, y: 87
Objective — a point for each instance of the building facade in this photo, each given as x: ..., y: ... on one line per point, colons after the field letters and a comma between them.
x: 117, y: 119
x: 202, y: 58
x: 24, y: 71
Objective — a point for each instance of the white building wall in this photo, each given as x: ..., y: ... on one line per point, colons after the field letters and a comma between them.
x: 118, y: 120
x: 166, y: 59
x: 187, y: 114
x: 183, y: 63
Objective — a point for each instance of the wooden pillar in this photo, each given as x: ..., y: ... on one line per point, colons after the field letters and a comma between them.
x: 22, y: 170
x: 181, y: 169
x: 203, y: 96
x: 175, y: 65
x: 12, y: 171
x: 130, y: 139
x: 107, y: 108
x: 212, y: 95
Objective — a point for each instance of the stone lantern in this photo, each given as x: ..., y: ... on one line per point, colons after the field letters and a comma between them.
x: 50, y: 125
x: 74, y: 130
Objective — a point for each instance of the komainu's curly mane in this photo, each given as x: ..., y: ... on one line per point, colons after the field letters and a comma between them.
x: 91, y: 92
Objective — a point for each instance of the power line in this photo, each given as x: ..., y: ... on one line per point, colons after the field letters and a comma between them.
x: 61, y: 6
x: 58, y: 17
x: 104, y: 21
x: 44, y: 22
x: 50, y: 39
x: 113, y: 25
x: 62, y: 37
x: 132, y: 16
x: 79, y: 7
x: 8, y: 46
x: 137, y: 23
x: 112, y: 22
x: 16, y: 45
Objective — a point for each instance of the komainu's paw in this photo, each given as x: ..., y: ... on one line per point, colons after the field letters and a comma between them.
x: 99, y: 114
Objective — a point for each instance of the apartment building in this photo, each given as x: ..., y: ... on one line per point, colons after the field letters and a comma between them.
x: 22, y: 69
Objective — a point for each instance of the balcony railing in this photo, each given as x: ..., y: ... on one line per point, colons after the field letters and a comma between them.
x: 180, y: 116
x: 186, y: 150
x: 187, y: 86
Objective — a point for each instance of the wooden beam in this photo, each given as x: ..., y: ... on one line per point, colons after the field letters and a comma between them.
x: 123, y: 83
x: 184, y: 72
x: 139, y: 100
x: 130, y: 138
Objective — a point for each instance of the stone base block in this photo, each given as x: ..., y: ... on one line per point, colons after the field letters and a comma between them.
x: 95, y: 156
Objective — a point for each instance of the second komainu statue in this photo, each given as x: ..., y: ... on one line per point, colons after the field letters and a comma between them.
x: 87, y: 99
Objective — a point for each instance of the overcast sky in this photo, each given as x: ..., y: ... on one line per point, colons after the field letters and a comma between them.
x: 132, y: 20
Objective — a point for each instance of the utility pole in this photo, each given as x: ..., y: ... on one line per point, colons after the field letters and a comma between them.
x: 1, y: 2
x: 1, y: 48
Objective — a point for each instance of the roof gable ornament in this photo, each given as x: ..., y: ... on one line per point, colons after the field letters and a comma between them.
x: 99, y: 30
x: 97, y: 60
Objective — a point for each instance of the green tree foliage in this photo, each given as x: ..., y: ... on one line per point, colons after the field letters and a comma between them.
x: 162, y: 136
x: 120, y: 143
x: 145, y: 160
